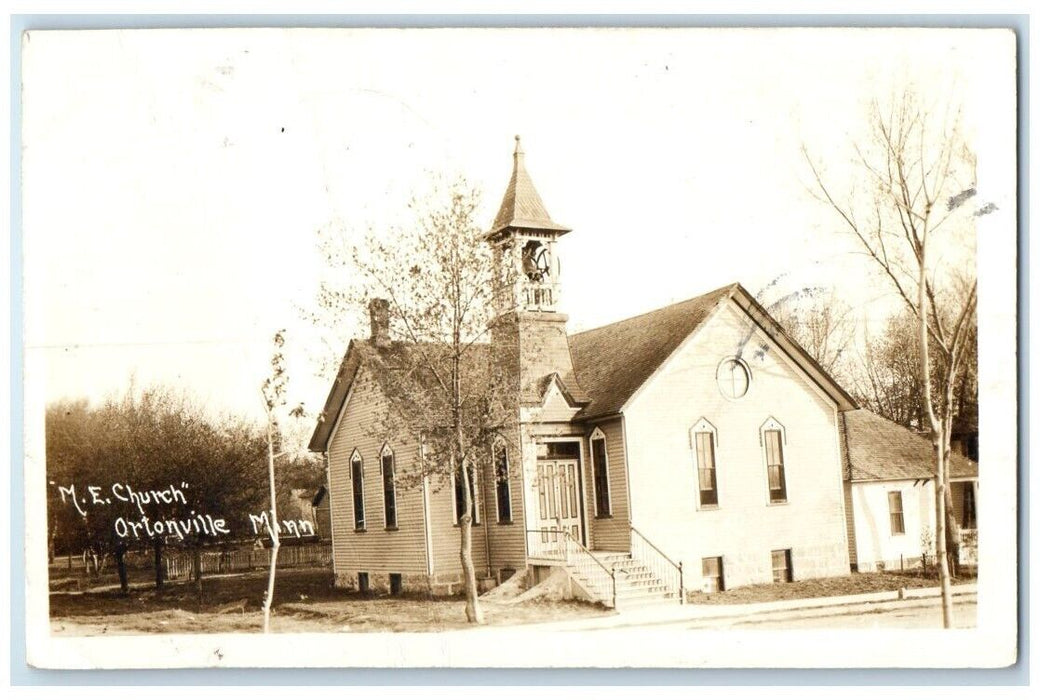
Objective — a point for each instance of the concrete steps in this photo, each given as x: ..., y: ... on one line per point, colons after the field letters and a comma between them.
x: 637, y: 584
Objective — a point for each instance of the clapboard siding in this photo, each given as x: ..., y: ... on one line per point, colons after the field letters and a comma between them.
x: 447, y: 536
x: 745, y: 526
x: 377, y: 550
x: 609, y: 533
x: 850, y: 522
x: 506, y: 539
x: 875, y: 540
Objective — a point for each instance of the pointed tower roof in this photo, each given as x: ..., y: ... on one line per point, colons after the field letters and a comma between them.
x: 521, y: 205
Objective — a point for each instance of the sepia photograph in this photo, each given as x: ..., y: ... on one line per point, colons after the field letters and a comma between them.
x: 530, y: 347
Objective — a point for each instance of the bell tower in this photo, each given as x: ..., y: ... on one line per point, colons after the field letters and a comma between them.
x: 524, y: 238
x: 531, y: 334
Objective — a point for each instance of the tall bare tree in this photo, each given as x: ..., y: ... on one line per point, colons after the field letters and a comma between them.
x: 437, y: 279
x: 273, y: 391
x: 908, y: 208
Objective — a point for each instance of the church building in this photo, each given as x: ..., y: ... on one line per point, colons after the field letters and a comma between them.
x: 694, y: 447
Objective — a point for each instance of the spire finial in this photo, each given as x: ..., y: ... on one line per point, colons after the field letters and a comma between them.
x: 519, y: 149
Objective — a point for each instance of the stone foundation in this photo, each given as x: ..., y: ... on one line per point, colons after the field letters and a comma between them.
x: 439, y: 585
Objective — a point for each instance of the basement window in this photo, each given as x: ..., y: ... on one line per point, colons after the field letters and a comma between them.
x: 711, y: 571
x: 782, y: 566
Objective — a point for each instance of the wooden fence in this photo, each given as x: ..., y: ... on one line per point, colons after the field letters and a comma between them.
x: 181, y: 565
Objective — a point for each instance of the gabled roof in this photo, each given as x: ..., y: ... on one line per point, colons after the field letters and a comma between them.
x: 362, y: 351
x: 877, y: 449
x: 521, y: 205
x: 337, y: 395
x: 572, y: 394
x: 612, y: 362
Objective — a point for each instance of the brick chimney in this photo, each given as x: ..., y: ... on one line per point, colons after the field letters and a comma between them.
x: 379, y: 313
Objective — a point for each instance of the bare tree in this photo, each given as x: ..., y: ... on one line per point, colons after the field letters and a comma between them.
x: 887, y: 378
x: 822, y: 324
x: 273, y: 391
x: 433, y: 281
x: 888, y: 373
x: 906, y: 209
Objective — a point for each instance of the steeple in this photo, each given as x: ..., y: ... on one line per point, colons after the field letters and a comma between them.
x: 521, y: 205
x: 530, y: 338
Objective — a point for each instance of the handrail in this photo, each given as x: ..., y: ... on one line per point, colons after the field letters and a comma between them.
x: 590, y: 556
x: 579, y: 550
x: 654, y: 546
x: 585, y: 550
x: 678, y: 574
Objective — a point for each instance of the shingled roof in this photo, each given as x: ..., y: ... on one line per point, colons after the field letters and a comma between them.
x: 521, y: 205
x: 613, y: 361
x: 398, y: 354
x: 876, y: 449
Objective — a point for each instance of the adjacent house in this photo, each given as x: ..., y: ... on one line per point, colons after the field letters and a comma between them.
x: 694, y: 447
x: 322, y: 514
x: 890, y: 494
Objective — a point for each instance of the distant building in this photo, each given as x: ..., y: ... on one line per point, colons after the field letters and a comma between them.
x: 322, y: 513
x: 890, y: 493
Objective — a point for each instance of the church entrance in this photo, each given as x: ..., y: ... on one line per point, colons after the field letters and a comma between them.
x: 560, y: 498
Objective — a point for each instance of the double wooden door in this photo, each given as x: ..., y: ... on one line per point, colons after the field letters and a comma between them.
x: 559, y: 499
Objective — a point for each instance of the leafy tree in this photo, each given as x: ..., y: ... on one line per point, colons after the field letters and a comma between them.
x: 443, y: 388
x: 908, y: 209
x: 156, y: 440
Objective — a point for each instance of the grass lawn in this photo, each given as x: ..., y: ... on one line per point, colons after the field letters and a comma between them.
x: 305, y: 601
x: 874, y: 582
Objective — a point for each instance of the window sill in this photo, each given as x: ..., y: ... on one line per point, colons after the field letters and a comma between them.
x: 505, y: 522
x: 709, y: 507
x: 778, y: 503
x: 392, y: 528
x: 360, y: 529
x: 608, y: 516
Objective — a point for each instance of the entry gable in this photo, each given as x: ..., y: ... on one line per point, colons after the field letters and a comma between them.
x: 557, y: 405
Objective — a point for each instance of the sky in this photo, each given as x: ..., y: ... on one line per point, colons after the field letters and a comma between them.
x: 174, y: 180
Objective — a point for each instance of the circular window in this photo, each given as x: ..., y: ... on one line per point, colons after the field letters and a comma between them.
x: 733, y: 378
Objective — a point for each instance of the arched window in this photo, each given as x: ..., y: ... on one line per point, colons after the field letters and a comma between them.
x: 388, y: 469
x: 503, y: 492
x: 774, y: 437
x: 704, y: 440
x: 600, y: 472
x: 357, y: 484
x: 460, y: 496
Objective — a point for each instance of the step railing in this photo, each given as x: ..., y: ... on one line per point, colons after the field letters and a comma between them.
x: 669, y: 572
x: 553, y: 544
